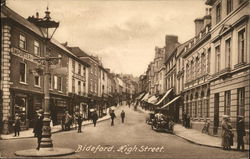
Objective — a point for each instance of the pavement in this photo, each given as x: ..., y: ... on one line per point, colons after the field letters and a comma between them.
x: 196, y: 137
x: 54, y: 129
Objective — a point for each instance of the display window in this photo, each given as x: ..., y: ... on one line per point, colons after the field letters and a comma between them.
x: 20, y: 108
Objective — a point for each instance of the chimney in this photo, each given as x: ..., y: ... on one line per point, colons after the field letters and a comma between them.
x: 170, y: 42
x: 199, y: 23
x: 207, y: 17
x: 37, y: 15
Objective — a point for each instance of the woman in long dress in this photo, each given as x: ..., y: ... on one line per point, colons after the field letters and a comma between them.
x: 226, y: 133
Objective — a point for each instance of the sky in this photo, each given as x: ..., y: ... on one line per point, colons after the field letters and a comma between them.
x: 123, y: 33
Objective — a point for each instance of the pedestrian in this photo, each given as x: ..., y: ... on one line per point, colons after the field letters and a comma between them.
x: 38, y: 127
x: 79, y: 120
x: 188, y: 121
x: 113, y: 116
x: 94, y: 117
x: 241, y: 132
x: 16, y: 125
x: 184, y: 119
x: 68, y: 120
x: 122, y: 116
x: 226, y: 145
x: 63, y: 121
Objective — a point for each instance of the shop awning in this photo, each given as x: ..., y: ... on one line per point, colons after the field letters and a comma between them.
x: 113, y: 108
x: 152, y: 99
x: 166, y: 94
x: 145, y: 98
x: 140, y: 96
x: 172, y: 101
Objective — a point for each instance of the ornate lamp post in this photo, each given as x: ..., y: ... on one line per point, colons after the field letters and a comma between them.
x: 46, y: 146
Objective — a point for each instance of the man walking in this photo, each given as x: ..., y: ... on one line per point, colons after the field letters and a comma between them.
x: 122, y: 116
x: 240, y: 133
x: 94, y: 118
x: 79, y: 120
x: 112, y: 114
x: 38, y: 127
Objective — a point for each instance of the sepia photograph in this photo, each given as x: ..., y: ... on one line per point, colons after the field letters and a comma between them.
x: 167, y: 79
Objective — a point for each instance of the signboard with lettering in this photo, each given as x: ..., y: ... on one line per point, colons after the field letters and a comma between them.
x: 25, y: 55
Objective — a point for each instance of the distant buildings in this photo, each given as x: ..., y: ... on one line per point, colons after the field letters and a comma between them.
x: 207, y: 76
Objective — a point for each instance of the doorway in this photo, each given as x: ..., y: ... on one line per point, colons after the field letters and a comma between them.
x: 216, y: 113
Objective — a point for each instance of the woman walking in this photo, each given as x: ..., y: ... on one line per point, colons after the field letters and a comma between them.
x: 226, y: 133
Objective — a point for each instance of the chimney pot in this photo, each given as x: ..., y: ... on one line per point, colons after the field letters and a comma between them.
x: 37, y: 15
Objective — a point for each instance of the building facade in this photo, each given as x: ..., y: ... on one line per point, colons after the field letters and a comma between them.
x: 230, y: 76
x: 196, y: 57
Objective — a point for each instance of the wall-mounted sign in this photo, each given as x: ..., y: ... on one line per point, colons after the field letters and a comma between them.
x: 25, y: 55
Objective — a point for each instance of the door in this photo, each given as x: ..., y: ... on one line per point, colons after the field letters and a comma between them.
x: 216, y: 113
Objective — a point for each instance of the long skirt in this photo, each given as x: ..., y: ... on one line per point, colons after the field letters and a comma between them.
x: 225, y: 141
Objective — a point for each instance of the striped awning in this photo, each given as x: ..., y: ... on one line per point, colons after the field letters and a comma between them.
x: 140, y: 96
x: 152, y: 99
x: 166, y: 94
x: 145, y: 98
x: 172, y: 101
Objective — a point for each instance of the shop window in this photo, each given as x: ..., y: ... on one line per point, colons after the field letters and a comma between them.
x: 23, y: 72
x: 241, y: 101
x: 37, y: 81
x: 241, y: 46
x: 22, y: 42
x: 20, y: 108
x: 36, y: 48
x: 227, y: 102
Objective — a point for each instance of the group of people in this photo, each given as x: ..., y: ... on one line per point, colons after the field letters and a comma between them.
x: 228, y: 135
x: 113, y: 116
x: 186, y: 120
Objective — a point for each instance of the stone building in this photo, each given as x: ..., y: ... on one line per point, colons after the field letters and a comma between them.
x: 196, y: 57
x: 22, y: 74
x: 230, y: 72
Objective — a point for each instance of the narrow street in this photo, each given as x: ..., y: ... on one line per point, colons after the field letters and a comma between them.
x: 134, y: 133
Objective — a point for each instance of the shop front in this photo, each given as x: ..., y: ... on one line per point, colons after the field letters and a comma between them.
x: 58, y: 106
x: 24, y: 104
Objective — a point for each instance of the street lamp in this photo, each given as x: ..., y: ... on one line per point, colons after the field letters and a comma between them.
x: 46, y: 146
